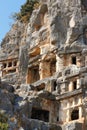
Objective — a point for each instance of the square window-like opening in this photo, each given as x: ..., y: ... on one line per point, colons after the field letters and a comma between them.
x: 15, y: 63
x: 4, y: 65
x: 75, y: 115
x: 74, y: 60
x: 10, y: 64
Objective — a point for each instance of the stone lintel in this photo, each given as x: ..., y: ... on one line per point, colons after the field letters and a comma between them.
x: 69, y: 94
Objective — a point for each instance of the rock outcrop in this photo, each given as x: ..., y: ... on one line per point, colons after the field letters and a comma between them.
x: 43, y: 68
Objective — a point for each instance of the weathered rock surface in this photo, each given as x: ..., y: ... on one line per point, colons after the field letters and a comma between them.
x: 43, y: 68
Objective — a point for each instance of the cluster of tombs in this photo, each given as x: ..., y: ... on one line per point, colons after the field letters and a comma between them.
x: 8, y: 66
x: 59, y: 75
x: 55, y: 73
x: 56, y: 78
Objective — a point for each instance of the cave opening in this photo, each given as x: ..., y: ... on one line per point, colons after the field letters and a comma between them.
x: 40, y: 114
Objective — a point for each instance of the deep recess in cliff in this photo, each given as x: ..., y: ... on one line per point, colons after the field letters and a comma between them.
x: 43, y: 68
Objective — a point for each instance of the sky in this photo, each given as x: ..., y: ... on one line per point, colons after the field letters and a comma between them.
x: 7, y: 8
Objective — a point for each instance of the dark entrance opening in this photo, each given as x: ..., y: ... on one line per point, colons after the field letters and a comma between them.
x: 4, y: 65
x: 74, y: 60
x: 75, y: 115
x: 40, y: 114
x: 40, y: 87
x: 74, y: 85
x: 12, y: 71
x: 15, y: 63
x: 35, y: 73
x: 10, y: 64
x: 54, y: 86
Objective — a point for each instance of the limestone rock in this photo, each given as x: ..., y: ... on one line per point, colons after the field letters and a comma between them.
x: 43, y: 68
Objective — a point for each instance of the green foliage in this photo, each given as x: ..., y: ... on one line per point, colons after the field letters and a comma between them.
x: 26, y: 10
x: 3, y: 122
x: 3, y: 126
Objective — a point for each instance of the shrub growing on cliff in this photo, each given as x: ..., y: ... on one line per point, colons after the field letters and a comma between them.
x: 3, y: 122
x: 26, y: 10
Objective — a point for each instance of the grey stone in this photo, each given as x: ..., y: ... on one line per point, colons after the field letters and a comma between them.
x: 73, y: 126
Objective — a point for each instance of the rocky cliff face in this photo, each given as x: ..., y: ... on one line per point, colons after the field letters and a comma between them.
x: 43, y: 68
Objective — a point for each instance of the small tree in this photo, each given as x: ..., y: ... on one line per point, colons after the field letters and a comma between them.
x: 26, y: 10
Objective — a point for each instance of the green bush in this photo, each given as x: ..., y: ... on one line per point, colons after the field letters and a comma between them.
x: 3, y: 126
x: 3, y: 122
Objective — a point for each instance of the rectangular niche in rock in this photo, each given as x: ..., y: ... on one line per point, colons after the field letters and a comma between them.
x: 33, y: 74
x: 40, y: 114
x: 53, y: 66
x: 74, y: 60
x: 12, y: 71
